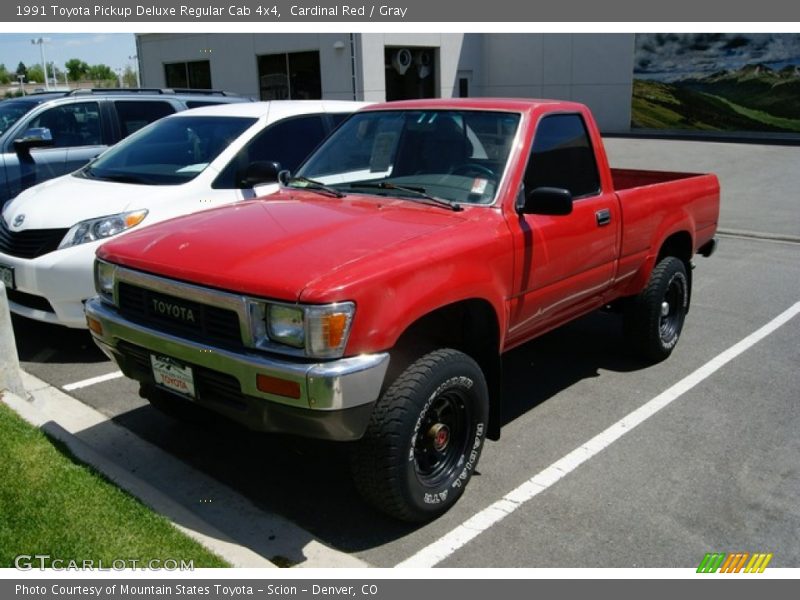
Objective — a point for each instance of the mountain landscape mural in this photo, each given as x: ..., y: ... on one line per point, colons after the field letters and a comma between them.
x: 717, y: 82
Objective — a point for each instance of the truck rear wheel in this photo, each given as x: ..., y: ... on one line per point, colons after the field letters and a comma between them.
x: 654, y: 319
x: 424, y: 438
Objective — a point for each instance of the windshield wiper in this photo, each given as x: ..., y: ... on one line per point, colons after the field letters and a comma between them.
x: 119, y: 178
x: 317, y: 186
x: 86, y: 172
x: 416, y: 190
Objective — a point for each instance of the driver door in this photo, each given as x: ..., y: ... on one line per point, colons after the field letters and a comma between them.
x: 566, y: 262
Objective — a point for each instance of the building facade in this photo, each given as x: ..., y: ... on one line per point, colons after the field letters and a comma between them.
x: 596, y: 69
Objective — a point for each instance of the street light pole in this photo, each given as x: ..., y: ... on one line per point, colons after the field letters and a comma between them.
x: 41, y: 42
x: 135, y: 57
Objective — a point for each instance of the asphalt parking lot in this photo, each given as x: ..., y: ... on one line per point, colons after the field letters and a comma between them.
x: 717, y: 469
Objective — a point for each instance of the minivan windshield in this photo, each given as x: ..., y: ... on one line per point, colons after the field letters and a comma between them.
x: 455, y: 155
x: 168, y: 152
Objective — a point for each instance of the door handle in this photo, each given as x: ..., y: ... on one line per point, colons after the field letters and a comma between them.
x: 603, y: 217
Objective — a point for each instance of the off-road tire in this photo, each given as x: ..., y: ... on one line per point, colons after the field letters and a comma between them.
x: 654, y: 319
x: 424, y: 437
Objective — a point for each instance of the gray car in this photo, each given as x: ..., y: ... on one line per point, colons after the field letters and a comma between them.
x: 46, y: 135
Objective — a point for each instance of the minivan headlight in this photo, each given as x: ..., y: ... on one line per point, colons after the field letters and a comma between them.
x: 102, y: 227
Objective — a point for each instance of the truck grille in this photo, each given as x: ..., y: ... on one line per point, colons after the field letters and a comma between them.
x: 29, y: 244
x: 191, y: 320
x: 210, y: 386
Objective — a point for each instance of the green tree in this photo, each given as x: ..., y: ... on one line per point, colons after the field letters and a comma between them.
x: 22, y: 69
x: 5, y: 76
x: 36, y: 74
x: 76, y: 69
x: 101, y: 72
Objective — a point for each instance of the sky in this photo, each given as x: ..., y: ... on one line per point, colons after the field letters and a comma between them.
x: 112, y: 49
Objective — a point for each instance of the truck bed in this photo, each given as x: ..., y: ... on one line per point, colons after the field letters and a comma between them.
x: 651, y: 201
x: 632, y: 178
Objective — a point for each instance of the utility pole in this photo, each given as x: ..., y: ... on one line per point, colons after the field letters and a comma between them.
x: 135, y: 57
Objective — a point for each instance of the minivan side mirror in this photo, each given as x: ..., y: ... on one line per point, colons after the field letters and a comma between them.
x: 35, y: 137
x: 260, y: 172
x: 547, y: 201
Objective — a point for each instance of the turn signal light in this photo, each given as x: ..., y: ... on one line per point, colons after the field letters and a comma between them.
x: 333, y: 327
x: 94, y: 325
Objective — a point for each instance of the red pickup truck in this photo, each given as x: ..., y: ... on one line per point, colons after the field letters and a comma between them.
x: 370, y: 300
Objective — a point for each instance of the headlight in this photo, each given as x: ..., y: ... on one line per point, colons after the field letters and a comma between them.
x: 285, y: 325
x: 312, y: 331
x: 101, y: 228
x: 104, y: 275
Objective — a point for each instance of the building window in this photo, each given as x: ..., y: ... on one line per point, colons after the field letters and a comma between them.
x: 410, y: 73
x: 463, y: 87
x: 195, y: 74
x: 290, y: 76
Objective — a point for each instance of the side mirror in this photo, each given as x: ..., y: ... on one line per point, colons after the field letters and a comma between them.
x: 35, y: 137
x: 260, y: 172
x: 547, y: 201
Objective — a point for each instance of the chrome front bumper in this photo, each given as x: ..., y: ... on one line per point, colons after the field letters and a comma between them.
x: 339, y: 391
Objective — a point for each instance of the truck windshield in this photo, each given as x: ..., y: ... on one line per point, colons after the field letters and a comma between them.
x: 456, y: 155
x: 168, y: 152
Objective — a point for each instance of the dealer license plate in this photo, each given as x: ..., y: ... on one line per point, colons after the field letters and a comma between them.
x: 7, y: 277
x: 173, y: 375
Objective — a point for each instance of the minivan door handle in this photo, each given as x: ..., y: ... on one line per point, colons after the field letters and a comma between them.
x: 603, y: 217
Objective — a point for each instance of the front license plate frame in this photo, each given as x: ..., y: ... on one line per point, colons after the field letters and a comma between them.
x: 173, y: 375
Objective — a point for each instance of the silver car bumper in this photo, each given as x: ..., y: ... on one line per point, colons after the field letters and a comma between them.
x: 334, y: 399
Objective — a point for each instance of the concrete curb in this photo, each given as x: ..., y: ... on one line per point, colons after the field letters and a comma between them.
x: 759, y: 235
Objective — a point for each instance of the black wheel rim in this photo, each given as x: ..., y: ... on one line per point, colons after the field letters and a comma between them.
x: 672, y: 310
x: 441, y: 440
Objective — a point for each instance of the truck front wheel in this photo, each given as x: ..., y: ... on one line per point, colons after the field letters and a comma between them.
x: 424, y: 438
x: 654, y: 319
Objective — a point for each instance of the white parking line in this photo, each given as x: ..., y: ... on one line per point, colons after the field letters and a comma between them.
x: 439, y: 550
x: 87, y: 382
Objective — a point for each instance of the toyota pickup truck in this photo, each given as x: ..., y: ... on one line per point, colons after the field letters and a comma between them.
x: 370, y: 300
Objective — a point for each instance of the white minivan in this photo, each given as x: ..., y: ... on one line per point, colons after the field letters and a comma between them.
x: 190, y: 161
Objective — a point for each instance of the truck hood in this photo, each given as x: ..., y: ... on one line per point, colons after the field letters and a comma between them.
x: 274, y: 247
x: 64, y: 201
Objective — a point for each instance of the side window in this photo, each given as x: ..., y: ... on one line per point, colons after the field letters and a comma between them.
x: 287, y: 142
x: 563, y: 157
x: 72, y: 125
x: 135, y: 114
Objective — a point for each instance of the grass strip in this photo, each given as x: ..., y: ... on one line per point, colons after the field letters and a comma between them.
x: 52, y: 504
